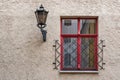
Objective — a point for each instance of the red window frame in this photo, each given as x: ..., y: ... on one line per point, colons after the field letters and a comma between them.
x: 95, y: 36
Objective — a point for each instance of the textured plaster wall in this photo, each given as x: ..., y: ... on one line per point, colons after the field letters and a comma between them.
x: 23, y: 55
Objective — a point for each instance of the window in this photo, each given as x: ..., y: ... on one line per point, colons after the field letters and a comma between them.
x: 79, y: 37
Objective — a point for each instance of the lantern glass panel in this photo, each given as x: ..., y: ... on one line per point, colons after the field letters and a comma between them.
x: 42, y: 17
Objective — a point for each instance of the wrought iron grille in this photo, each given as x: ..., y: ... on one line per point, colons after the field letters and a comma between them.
x: 87, y: 57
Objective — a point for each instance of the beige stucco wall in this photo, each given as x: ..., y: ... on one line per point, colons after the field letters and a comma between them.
x: 23, y: 54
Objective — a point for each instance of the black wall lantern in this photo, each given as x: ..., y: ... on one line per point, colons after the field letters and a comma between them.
x: 41, y: 15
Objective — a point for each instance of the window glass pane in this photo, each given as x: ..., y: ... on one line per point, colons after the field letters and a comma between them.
x: 87, y: 53
x: 69, y: 26
x: 87, y: 26
x: 70, y: 52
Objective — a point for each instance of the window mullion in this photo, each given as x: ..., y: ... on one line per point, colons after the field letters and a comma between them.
x: 78, y: 46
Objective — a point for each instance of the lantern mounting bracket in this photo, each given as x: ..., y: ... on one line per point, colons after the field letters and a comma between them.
x: 44, y: 32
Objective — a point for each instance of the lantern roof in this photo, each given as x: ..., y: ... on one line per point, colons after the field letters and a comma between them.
x: 41, y: 9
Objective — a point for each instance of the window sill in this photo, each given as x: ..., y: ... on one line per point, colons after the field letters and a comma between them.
x: 76, y: 72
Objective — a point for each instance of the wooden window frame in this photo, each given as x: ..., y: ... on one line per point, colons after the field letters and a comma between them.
x: 95, y: 36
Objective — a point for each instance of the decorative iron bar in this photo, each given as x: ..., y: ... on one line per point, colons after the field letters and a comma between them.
x: 57, y: 54
x: 100, y: 45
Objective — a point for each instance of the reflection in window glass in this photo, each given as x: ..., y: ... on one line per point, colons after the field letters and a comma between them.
x: 70, y: 52
x: 87, y: 26
x: 69, y: 26
x: 67, y: 22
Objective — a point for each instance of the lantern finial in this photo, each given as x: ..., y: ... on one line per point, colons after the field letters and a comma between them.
x: 41, y: 7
